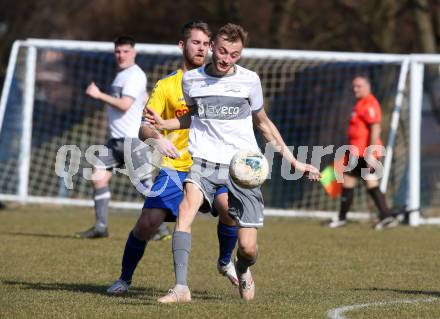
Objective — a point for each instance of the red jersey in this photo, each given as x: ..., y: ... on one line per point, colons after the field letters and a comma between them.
x: 365, y: 112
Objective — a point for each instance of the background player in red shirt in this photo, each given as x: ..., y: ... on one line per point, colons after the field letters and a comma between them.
x: 364, y: 131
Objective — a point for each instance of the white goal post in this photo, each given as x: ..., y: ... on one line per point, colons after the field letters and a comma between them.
x: 308, y: 96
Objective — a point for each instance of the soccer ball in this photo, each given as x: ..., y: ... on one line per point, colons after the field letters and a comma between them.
x: 249, y: 169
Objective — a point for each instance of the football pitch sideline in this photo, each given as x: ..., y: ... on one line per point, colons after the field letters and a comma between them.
x: 304, y: 270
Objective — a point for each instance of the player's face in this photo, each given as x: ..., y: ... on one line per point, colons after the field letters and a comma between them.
x: 125, y: 56
x: 225, y: 54
x: 195, y: 49
x: 361, y: 88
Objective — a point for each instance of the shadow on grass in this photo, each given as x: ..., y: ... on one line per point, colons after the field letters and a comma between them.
x: 38, y: 235
x: 402, y: 291
x: 148, y: 295
x: 59, y: 236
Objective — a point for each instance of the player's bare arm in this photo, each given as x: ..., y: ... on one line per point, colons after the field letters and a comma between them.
x: 122, y: 104
x: 374, y: 133
x: 164, y: 145
x: 176, y: 123
x: 273, y: 136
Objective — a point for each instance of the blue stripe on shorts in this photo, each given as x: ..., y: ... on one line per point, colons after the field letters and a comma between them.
x: 167, y: 192
x: 221, y: 190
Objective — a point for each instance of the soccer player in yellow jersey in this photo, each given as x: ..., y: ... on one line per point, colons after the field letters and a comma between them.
x: 162, y: 203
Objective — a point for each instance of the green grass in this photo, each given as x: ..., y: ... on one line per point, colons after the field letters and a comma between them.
x: 303, y: 270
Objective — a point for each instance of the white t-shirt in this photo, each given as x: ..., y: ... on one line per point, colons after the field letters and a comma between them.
x: 222, y: 112
x: 130, y: 82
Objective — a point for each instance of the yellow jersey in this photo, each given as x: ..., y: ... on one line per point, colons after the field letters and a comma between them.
x: 167, y: 100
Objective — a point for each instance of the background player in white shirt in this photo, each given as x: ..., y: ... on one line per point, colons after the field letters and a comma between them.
x: 124, y: 106
x: 226, y: 100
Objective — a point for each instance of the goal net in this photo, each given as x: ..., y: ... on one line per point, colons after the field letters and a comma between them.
x: 307, y: 95
x: 429, y: 151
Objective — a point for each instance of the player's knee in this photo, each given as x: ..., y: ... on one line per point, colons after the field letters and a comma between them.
x: 100, y: 181
x: 247, y: 244
x: 372, y: 181
x: 146, y: 227
x: 222, y: 207
x: 143, y: 231
x: 184, y: 207
x: 248, y: 250
x: 247, y: 257
x: 97, y: 183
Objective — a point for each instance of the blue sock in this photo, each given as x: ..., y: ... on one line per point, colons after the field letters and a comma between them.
x: 227, y: 238
x: 133, y: 252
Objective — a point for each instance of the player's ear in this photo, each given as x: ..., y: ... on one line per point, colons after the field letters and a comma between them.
x: 211, y: 45
x: 181, y: 44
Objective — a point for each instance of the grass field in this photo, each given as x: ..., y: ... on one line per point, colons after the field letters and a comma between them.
x: 304, y: 270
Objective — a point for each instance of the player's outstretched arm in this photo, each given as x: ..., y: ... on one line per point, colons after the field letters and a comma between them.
x: 122, y: 104
x: 176, y: 123
x: 273, y: 136
x: 151, y: 136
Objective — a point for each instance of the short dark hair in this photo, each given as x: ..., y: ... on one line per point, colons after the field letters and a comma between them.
x: 232, y: 33
x: 363, y: 76
x: 196, y: 24
x: 123, y: 40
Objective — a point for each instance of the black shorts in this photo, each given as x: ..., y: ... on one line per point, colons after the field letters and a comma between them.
x: 356, y: 171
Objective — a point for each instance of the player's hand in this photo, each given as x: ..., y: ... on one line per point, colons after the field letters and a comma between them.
x: 372, y: 156
x: 310, y: 171
x: 93, y: 91
x: 153, y: 118
x: 313, y: 173
x: 369, y: 159
x: 167, y: 148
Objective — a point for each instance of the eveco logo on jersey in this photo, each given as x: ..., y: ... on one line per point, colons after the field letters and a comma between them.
x: 223, y: 109
x: 215, y: 110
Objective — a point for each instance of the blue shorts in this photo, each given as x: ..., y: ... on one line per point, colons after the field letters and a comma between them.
x: 167, y: 192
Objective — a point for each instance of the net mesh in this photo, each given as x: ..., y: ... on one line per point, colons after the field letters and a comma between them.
x: 310, y: 102
x: 430, y: 142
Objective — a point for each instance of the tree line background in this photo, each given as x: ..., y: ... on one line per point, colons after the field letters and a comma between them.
x: 389, y: 26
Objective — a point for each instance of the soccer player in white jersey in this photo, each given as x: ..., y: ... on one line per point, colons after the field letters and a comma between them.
x: 125, y: 104
x: 162, y: 203
x: 226, y: 101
